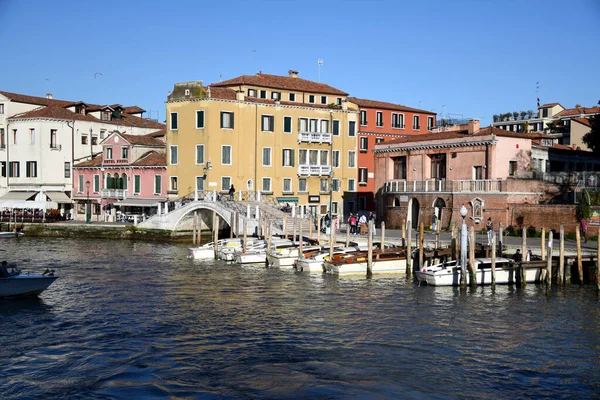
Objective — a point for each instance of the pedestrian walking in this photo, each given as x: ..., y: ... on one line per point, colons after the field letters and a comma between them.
x: 490, y: 229
x: 231, y: 192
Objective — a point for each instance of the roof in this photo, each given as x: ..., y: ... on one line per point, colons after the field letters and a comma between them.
x: 41, y: 101
x: 583, y: 121
x: 281, y: 82
x: 222, y: 93
x: 550, y: 105
x: 578, y: 111
x: 133, y: 110
x: 151, y: 159
x: 143, y: 140
x: 385, y: 106
x: 96, y: 161
x: 291, y: 103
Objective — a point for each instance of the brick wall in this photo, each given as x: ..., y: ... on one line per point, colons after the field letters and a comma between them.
x: 550, y: 216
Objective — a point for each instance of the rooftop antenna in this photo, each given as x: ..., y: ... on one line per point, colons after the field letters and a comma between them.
x: 537, y: 93
x: 320, y: 63
x: 220, y: 77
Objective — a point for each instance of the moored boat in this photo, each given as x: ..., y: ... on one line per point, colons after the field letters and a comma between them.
x: 285, y: 257
x: 312, y: 262
x: 13, y: 283
x: 7, y: 235
x: 389, y: 261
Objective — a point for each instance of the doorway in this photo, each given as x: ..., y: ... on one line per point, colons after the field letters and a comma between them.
x: 414, y: 213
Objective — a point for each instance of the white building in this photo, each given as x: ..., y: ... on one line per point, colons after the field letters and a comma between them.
x: 41, y: 137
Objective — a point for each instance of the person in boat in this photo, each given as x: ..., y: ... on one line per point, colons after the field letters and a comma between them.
x: 518, y: 257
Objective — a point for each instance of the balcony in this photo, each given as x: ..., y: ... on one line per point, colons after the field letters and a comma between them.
x: 114, y: 194
x: 314, y: 170
x: 314, y: 137
x: 440, y: 185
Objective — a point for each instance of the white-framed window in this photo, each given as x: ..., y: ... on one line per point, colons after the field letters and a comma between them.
x: 225, y: 183
x: 512, y: 168
x: 363, y: 174
x: 199, y: 119
x: 173, y: 156
x: 324, y: 126
x: 363, y: 117
x: 102, y: 133
x: 398, y: 121
x: 267, y: 123
x: 275, y: 96
x: 378, y: 140
x: 334, y: 207
x: 379, y: 118
x: 311, y: 98
x: 173, y: 183
x: 174, y: 123
x: 364, y: 144
x: 324, y: 185
x: 416, y: 123
x: 109, y: 153
x: 287, y: 124
x: 478, y: 172
x: 303, y: 124
x: 3, y: 139
x: 227, y: 120
x: 339, y: 101
x: 323, y: 99
x: 287, y: 185
x: 31, y: 169
x: 266, y: 185
x: 302, y: 156
x: 351, y: 185
x: 137, y: 184
x: 352, y: 128
x: 1, y: 108
x: 199, y: 154
x: 67, y: 169
x: 335, y: 158
x: 292, y: 96
x: 335, y: 127
x: 84, y: 138
x: 313, y: 125
x: 302, y: 185
x: 80, y: 183
x: 32, y: 136
x: 124, y: 153
x: 96, y: 183
x: 226, y: 155
x: 287, y: 158
x: 335, y: 185
x: 266, y: 157
x: 263, y: 94
x: 14, y: 136
x: 429, y: 123
x: 200, y: 183
x: 351, y: 159
x: 251, y: 92
x: 157, y: 184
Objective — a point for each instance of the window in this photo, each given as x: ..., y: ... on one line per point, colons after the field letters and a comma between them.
x: 173, y: 183
x: 199, y: 119
x: 225, y: 183
x: 512, y: 168
x: 266, y: 157
x: 124, y: 153
x: 53, y: 139
x: 399, y: 167
x: 200, y: 183
x: 267, y: 123
x: 263, y: 95
x: 339, y: 101
x: 67, y: 169
x: 157, y: 184
x: 378, y: 140
x: 325, y: 126
x: 335, y: 185
x: 226, y: 120
x: 352, y: 159
x: 288, y: 157
x: 97, y: 183
x: 275, y: 95
x: 2, y: 139
x: 31, y: 169
x: 102, y: 133
x: 302, y: 187
x: 266, y: 184
x: 292, y: 96
x: 363, y: 117
x: 438, y: 166
x: 1, y: 108
x: 251, y: 92
x: 84, y: 139
x: 545, y: 113
x: 311, y: 98
x: 379, y: 119
x: 416, y: 122
x: 303, y: 124
x: 173, y: 155
x: 323, y: 99
x: 137, y: 184
x: 94, y: 140
x: 174, y: 122
x: 313, y: 125
x: 335, y: 158
x: 362, y: 176
x: 287, y: 185
x: 32, y: 136
x: 398, y: 121
x: 105, y: 116
x: 478, y: 172
x: 80, y: 179
x: 302, y: 156
x: 364, y: 144
x: 109, y: 153
x: 226, y: 155
x: 14, y: 136
x: 199, y: 154
x: 287, y: 124
x: 13, y: 169
x: 336, y: 128
x: 429, y: 123
x: 334, y: 207
x: 324, y: 185
x: 352, y: 128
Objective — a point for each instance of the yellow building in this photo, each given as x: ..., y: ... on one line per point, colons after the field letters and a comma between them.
x: 292, y: 139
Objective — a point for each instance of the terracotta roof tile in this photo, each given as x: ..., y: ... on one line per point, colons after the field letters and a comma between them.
x: 222, y: 93
x: 578, y: 110
x: 583, y: 121
x: 151, y: 159
x: 41, y: 101
x: 385, y: 106
x: 94, y: 162
x: 133, y: 110
x: 143, y: 140
x: 281, y: 82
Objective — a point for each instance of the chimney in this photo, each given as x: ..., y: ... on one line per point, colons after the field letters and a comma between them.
x: 473, y: 125
x: 292, y: 73
x: 49, y: 96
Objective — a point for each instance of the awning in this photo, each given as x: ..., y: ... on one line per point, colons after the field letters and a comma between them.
x: 138, y: 202
x: 19, y: 195
x: 287, y: 199
x: 59, y: 197
x: 43, y: 205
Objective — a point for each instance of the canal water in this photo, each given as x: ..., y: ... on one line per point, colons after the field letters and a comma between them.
x: 139, y: 320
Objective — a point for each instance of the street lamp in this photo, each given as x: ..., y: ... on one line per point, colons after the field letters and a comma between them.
x: 88, y: 206
x: 463, y: 247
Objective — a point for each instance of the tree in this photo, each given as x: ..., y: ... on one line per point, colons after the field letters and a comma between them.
x: 592, y: 138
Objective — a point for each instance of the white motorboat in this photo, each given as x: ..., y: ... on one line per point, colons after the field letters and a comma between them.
x: 15, y: 284
x: 449, y: 273
x: 7, y: 235
x: 285, y: 257
x: 389, y: 261
x: 259, y: 255
x: 207, y: 251
x: 313, y: 262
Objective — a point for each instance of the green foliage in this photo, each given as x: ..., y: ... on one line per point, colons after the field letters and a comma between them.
x: 592, y: 138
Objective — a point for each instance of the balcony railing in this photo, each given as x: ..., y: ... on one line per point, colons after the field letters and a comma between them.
x: 314, y: 170
x: 440, y: 185
x: 114, y: 193
x: 314, y: 137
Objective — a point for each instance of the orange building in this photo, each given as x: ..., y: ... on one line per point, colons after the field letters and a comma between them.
x: 381, y: 122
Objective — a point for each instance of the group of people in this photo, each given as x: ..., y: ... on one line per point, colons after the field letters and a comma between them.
x: 358, y: 224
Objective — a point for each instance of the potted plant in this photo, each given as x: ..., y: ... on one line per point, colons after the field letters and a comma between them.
x: 495, y: 118
x: 515, y: 115
x: 523, y: 114
x: 530, y: 114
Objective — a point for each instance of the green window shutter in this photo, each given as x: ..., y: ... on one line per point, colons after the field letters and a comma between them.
x: 137, y: 183
x: 287, y: 124
x: 292, y: 158
x: 262, y: 123
x: 27, y: 170
x: 124, y: 182
x: 222, y: 113
x: 157, y: 184
x: 231, y: 120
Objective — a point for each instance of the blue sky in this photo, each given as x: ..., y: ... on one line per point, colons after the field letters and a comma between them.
x: 468, y: 58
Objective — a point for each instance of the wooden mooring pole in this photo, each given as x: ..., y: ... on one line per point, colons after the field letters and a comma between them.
x: 437, y: 234
x: 579, y: 261
x: 285, y: 227
x: 404, y: 233
x: 331, y: 239
x: 237, y: 224
x: 370, y: 250
x: 294, y: 222
x: 500, y: 238
x: 382, y: 235
x: 310, y: 226
x: 493, y: 259
x: 301, y: 238
x: 215, y: 234
x: 561, y: 259
x: 195, y: 227
x: 454, y: 243
x: 269, y: 242
x: 544, y: 242
x: 421, y: 243
x: 523, y: 256
x: 549, y: 260
x: 347, y: 235
x: 472, y: 272
x: 408, y: 251
x: 245, y: 235
x: 231, y: 225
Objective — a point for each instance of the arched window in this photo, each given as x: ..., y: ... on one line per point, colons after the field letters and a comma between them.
x: 124, y: 181
x: 110, y: 182
x: 396, y: 202
x: 118, y: 182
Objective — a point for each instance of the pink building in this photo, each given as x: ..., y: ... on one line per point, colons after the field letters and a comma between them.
x: 127, y: 179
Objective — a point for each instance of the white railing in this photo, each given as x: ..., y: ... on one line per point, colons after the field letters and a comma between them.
x: 318, y: 170
x: 114, y: 193
x: 440, y: 185
x: 314, y: 137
